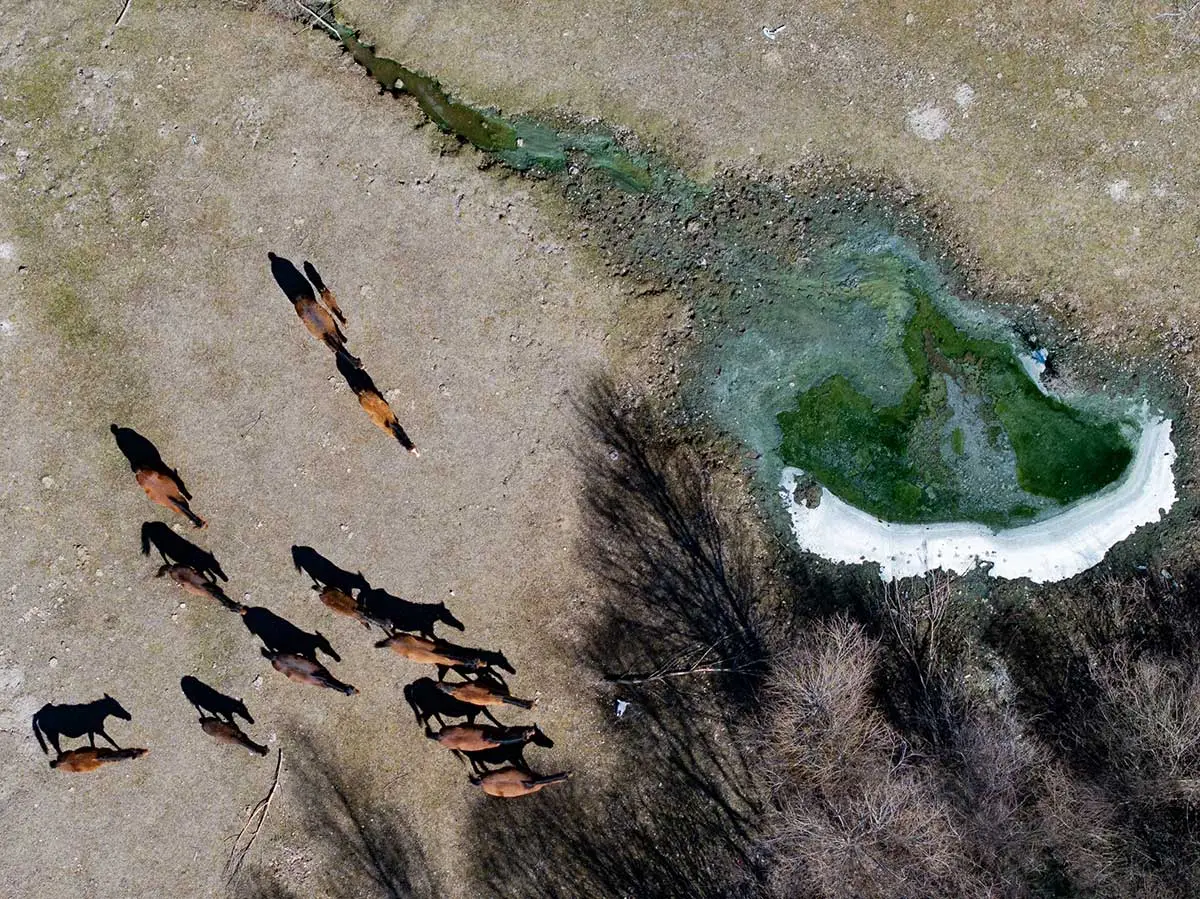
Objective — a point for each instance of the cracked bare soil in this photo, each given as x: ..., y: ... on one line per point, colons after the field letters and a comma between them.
x: 148, y: 171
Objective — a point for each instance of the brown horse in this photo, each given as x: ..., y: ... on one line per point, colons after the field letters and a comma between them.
x: 90, y: 758
x: 304, y: 670
x: 197, y: 584
x: 510, y: 782
x: 316, y: 318
x: 327, y: 296
x: 483, y: 693
x: 227, y: 732
x: 162, y: 484
x: 342, y: 603
x: 476, y: 737
x: 373, y: 403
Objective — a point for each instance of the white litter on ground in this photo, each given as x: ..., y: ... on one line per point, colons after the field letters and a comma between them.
x: 1046, y: 551
x: 1035, y: 366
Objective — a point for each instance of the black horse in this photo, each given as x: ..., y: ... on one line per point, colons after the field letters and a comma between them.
x: 54, y: 721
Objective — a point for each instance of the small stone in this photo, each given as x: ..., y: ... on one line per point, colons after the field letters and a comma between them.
x: 47, y: 482
x: 257, y: 682
x: 183, y: 605
x: 53, y: 661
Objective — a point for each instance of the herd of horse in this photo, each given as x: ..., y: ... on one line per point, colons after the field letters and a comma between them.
x: 494, y: 751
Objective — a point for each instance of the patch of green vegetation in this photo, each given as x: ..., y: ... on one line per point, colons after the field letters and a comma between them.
x: 792, y: 297
x: 484, y: 130
x: 36, y: 93
x: 866, y: 455
x: 69, y: 317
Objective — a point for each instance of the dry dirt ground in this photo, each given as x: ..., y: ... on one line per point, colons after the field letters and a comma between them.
x: 143, y: 186
x: 148, y: 170
x: 1057, y: 141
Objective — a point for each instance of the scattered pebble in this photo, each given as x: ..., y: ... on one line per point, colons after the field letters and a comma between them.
x: 47, y: 482
x: 53, y: 661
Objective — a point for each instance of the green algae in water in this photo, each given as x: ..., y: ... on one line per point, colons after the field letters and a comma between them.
x: 868, y: 455
x: 485, y: 131
x: 521, y: 144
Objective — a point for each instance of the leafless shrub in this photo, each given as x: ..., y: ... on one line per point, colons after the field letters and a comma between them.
x: 1106, y: 675
x: 1152, y: 708
x: 856, y: 813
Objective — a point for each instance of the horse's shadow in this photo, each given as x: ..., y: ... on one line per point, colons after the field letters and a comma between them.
x: 214, y: 702
x: 281, y: 636
x: 293, y: 284
x: 395, y: 614
x: 428, y: 703
x: 326, y: 574
x: 178, y: 550
x: 52, y: 722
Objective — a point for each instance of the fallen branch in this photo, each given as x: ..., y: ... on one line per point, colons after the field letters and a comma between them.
x: 319, y: 18
x: 124, y: 12
x: 680, y: 672
x: 259, y: 810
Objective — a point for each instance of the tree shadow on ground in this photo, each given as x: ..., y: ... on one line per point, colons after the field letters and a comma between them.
x: 677, y: 813
x: 368, y: 848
